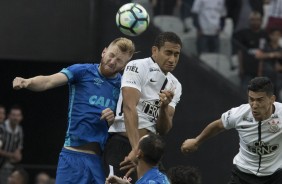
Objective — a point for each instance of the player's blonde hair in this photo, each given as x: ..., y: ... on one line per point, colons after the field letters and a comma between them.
x: 125, y: 45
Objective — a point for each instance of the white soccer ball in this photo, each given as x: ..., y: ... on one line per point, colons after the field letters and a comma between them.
x: 132, y: 19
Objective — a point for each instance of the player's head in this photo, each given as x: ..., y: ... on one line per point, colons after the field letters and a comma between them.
x: 184, y: 175
x: 151, y: 149
x: 255, y: 20
x: 116, y: 56
x: 42, y: 178
x: 166, y: 51
x: 261, y: 97
x: 2, y: 113
x: 18, y: 176
x: 15, y: 115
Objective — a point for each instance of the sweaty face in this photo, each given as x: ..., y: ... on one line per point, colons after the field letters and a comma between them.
x: 261, y: 105
x: 113, y: 61
x: 167, y: 56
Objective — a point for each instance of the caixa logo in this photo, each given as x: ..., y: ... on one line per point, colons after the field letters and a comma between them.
x: 102, y: 101
x: 262, y: 148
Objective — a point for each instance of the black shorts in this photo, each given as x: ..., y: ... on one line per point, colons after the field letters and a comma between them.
x: 116, y: 149
x: 239, y: 177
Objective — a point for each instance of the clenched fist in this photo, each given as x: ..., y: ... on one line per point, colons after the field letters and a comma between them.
x: 19, y: 83
x: 189, y: 145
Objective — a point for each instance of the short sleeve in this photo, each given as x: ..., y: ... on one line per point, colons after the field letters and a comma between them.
x: 176, y: 96
x: 231, y: 117
x: 75, y: 72
x: 134, y: 74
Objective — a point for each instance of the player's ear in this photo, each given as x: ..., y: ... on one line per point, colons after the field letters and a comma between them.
x: 139, y: 154
x: 154, y: 50
x: 273, y: 98
x: 104, y: 52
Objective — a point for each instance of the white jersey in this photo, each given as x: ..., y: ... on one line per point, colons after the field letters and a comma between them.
x: 146, y: 76
x: 260, y: 151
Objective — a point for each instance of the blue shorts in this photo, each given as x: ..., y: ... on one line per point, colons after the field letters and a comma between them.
x: 79, y: 168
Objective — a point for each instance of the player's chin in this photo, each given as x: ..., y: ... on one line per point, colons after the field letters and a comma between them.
x: 170, y: 68
x: 109, y: 72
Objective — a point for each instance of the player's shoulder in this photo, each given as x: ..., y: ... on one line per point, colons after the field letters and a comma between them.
x: 139, y: 65
x: 278, y: 107
x: 85, y: 66
x: 241, y: 110
x: 171, y: 77
x: 141, y: 62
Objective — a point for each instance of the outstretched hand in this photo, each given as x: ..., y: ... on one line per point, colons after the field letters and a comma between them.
x: 189, y: 145
x: 108, y: 115
x: 129, y: 163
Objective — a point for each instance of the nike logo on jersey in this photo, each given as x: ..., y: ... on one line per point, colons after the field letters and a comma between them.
x: 151, y: 80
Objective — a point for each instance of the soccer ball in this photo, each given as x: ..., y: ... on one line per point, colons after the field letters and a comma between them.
x: 132, y: 19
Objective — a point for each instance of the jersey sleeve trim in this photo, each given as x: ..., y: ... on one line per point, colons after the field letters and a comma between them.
x: 67, y: 73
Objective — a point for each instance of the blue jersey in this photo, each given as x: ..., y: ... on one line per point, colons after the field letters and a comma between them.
x: 153, y: 176
x: 89, y: 94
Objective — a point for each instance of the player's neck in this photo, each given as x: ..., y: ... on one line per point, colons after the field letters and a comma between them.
x: 268, y: 115
x: 101, y: 73
x: 142, y: 168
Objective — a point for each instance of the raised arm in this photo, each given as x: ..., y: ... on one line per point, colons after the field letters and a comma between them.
x: 166, y: 113
x: 131, y: 98
x: 214, y: 128
x: 40, y: 83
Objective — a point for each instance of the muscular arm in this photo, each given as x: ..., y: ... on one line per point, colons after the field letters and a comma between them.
x: 40, y: 83
x: 164, y: 122
x: 166, y: 112
x: 211, y: 130
x: 131, y: 98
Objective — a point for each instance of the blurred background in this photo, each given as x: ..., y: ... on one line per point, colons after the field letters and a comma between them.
x: 41, y: 37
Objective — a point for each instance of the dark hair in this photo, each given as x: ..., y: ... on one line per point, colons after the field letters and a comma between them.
x: 24, y: 175
x: 261, y: 84
x: 16, y: 107
x: 167, y: 37
x: 274, y: 29
x: 152, y: 147
x: 2, y: 106
x: 184, y: 175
